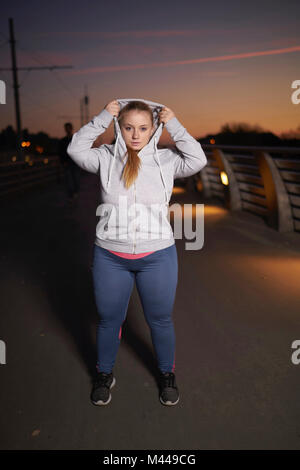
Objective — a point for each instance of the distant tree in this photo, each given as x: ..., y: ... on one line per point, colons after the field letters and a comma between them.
x: 291, y: 134
x: 8, y: 138
x: 241, y: 128
x: 245, y: 134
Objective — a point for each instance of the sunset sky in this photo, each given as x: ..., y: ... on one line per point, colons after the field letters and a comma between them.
x: 211, y: 62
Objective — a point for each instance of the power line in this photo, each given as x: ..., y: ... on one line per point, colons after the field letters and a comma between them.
x: 16, y: 85
x: 84, y: 104
x: 51, y: 68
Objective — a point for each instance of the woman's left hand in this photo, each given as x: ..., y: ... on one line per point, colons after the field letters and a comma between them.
x: 165, y: 115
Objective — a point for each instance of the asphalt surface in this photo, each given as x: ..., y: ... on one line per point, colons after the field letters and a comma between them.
x: 236, y: 315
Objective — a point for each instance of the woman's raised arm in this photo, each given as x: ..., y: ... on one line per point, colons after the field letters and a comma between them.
x: 189, y: 155
x: 80, y: 148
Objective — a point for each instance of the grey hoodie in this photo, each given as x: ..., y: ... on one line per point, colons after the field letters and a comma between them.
x: 135, y: 220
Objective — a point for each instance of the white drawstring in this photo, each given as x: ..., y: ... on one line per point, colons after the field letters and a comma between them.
x: 112, y: 164
x: 161, y: 172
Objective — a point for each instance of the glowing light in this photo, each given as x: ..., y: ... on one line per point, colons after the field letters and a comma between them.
x: 14, y: 158
x: 178, y: 190
x: 212, y: 141
x: 46, y: 161
x: 224, y: 178
x: 199, y: 185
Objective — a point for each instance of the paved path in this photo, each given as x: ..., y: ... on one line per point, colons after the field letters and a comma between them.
x: 236, y: 314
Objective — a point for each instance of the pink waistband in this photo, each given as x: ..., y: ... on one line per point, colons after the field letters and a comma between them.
x: 131, y: 255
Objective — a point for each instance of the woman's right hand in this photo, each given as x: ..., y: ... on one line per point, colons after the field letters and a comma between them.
x: 113, y: 108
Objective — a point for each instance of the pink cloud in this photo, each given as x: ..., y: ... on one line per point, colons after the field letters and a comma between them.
x: 242, y: 55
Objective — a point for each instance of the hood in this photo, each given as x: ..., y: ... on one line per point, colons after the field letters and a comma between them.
x: 156, y: 108
x: 149, y: 151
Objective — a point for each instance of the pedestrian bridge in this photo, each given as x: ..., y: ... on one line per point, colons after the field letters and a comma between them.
x: 236, y: 317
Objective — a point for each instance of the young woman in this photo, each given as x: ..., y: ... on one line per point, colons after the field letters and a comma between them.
x: 134, y: 239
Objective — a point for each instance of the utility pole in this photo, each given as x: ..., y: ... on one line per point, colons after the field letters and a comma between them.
x: 16, y: 89
x: 84, y: 110
x: 16, y: 85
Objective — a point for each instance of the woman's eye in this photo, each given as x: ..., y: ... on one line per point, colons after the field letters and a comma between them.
x: 128, y: 128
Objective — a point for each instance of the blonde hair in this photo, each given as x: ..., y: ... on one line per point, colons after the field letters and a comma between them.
x: 133, y: 163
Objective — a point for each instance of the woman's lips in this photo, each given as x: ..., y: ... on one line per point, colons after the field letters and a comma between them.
x: 135, y: 143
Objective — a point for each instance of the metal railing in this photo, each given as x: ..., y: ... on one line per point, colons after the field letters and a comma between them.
x: 19, y: 177
x: 262, y: 180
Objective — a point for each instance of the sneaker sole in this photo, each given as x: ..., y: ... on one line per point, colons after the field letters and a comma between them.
x: 100, y: 402
x: 168, y: 403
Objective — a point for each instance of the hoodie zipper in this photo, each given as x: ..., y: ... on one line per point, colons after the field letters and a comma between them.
x: 134, y: 219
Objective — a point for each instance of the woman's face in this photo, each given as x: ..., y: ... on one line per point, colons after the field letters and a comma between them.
x: 136, y: 129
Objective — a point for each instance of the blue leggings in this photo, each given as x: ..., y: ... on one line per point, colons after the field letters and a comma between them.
x: 156, y: 278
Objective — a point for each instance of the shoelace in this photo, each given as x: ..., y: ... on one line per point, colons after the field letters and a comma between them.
x: 101, y: 379
x: 168, y: 379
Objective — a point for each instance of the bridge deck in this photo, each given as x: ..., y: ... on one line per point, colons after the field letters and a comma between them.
x: 236, y: 314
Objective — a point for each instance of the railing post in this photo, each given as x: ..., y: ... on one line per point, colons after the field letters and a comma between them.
x: 202, y: 176
x: 278, y: 203
x: 231, y: 191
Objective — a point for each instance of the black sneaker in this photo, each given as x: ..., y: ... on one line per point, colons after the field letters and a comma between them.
x: 169, y: 394
x: 103, y: 382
